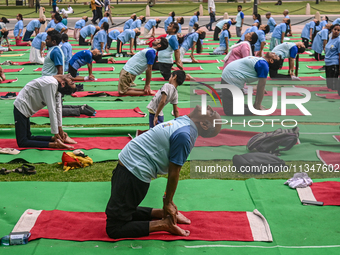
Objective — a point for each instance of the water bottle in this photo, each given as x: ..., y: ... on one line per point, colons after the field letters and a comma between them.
x: 15, y: 238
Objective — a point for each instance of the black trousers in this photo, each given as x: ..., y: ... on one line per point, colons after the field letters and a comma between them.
x: 23, y: 133
x: 119, y: 46
x: 125, y: 218
x: 99, y: 58
x: 98, y: 14
x: 216, y: 33
x: 227, y: 101
x: 306, y: 42
x: 275, y: 75
x: 332, y: 77
x: 82, y: 41
x: 164, y: 68
x: 108, y: 42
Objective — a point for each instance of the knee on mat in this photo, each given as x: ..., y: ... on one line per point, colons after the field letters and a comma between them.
x: 113, y: 231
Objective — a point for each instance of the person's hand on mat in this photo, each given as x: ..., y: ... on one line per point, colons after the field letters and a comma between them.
x: 188, y: 77
x: 147, y: 90
x: 155, y: 120
x: 91, y: 77
x: 171, y: 210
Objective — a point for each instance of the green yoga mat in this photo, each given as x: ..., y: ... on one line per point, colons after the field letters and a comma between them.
x: 313, y: 226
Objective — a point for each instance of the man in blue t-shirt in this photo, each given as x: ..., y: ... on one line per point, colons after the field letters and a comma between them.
x: 161, y: 150
x: 33, y: 26
x: 287, y: 50
x: 308, y: 30
x: 136, y: 65
x: 271, y: 22
x: 54, y: 60
x: 247, y: 70
x: 81, y: 58
x: 239, y: 21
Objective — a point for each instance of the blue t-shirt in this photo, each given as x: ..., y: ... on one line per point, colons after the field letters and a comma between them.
x: 271, y: 23
x: 293, y: 51
x: 100, y: 37
x: 173, y: 42
x: 114, y: 34
x: 305, y: 31
x: 136, y: 24
x: 66, y: 47
x: 33, y: 25
x: 19, y: 25
x: 50, y: 24
x: 150, y: 24
x: 167, y: 22
x: 193, y: 20
x: 41, y: 37
x: 139, y: 62
x: 321, y: 25
x: 87, y: 31
x: 262, y: 68
x: 126, y: 35
x: 256, y: 21
x: 249, y: 30
x: 332, y: 52
x: 60, y: 26
x: 80, y: 24
x: 56, y: 57
x: 64, y: 21
x: 81, y: 58
x: 105, y: 19
x: 319, y: 38
x: 261, y: 38
x: 151, y: 153
x: 221, y: 23
x: 127, y: 24
x: 286, y: 50
x: 179, y: 28
x: 337, y: 21
x: 150, y: 56
x: 278, y: 30
x: 223, y: 35
x: 54, y: 2
x: 189, y: 41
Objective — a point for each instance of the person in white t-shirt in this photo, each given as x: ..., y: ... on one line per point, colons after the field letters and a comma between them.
x: 212, y: 12
x: 167, y: 94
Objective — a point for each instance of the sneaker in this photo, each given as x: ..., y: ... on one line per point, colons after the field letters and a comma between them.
x: 294, y: 78
x: 80, y: 87
x: 9, y: 95
x: 322, y: 68
x: 7, y: 63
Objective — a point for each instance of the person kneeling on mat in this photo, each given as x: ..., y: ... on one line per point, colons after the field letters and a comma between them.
x: 247, y: 70
x: 41, y: 92
x: 136, y: 65
x: 289, y: 50
x: 161, y: 150
x: 80, y: 59
x: 167, y: 94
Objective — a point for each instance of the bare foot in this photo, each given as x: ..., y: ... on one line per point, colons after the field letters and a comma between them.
x: 60, y: 145
x: 189, y: 78
x: 10, y: 49
x: 112, y: 60
x: 174, y: 229
x: 69, y: 140
x: 181, y: 219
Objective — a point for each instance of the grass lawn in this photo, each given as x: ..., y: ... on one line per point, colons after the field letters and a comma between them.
x: 180, y: 8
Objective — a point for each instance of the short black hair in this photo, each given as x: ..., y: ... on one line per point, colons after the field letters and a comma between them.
x: 326, y: 18
x: 58, y: 17
x: 181, y: 21
x: 254, y: 38
x: 266, y: 30
x: 4, y: 20
x: 201, y: 35
x: 55, y: 36
x: 42, y: 22
x: 134, y: 17
x: 137, y: 34
x: 196, y: 26
x: 106, y: 26
x: 180, y: 76
x: 64, y: 37
x: 164, y: 44
x: 5, y: 34
x: 175, y: 26
x: 301, y: 50
x: 143, y: 20
x: 239, y: 6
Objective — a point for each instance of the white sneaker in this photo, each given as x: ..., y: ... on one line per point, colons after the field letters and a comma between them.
x: 294, y: 78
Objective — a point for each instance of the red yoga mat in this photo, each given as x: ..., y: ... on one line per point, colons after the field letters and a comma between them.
x: 337, y: 137
x: 302, y: 59
x: 329, y: 158
x: 267, y: 93
x: 86, y: 143
x: 328, y: 96
x: 196, y: 79
x: 311, y: 78
x: 90, y: 226
x: 96, y: 93
x: 21, y: 50
x: 314, y: 67
x: 22, y: 63
x: 312, y: 89
x: 124, y: 113
x: 8, y: 81
x: 96, y: 69
x: 228, y: 137
x: 219, y: 110
x: 12, y: 70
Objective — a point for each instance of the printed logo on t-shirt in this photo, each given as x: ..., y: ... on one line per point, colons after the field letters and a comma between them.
x: 167, y: 124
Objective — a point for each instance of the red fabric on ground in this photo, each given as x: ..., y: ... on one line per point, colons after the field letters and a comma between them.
x: 96, y: 69
x: 219, y: 110
x: 268, y: 93
x: 329, y: 96
x: 227, y: 137
x: 90, y: 226
x: 329, y: 158
x: 311, y: 89
x: 198, y: 68
x: 12, y: 70
x: 20, y: 49
x: 196, y: 79
x: 8, y: 81
x: 327, y: 192
x: 96, y: 93
x: 123, y: 113
x: 21, y: 63
x: 102, y: 80
x: 86, y: 143
x: 302, y: 59
x: 311, y: 78
x: 4, y: 93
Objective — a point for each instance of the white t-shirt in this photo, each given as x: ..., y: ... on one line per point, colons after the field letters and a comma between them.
x: 172, y: 97
x: 211, y: 3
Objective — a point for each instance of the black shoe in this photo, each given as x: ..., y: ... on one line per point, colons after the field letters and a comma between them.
x: 80, y: 87
x: 322, y: 68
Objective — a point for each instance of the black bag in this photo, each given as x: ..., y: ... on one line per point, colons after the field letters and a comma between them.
x: 274, y: 142
x: 258, y: 163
